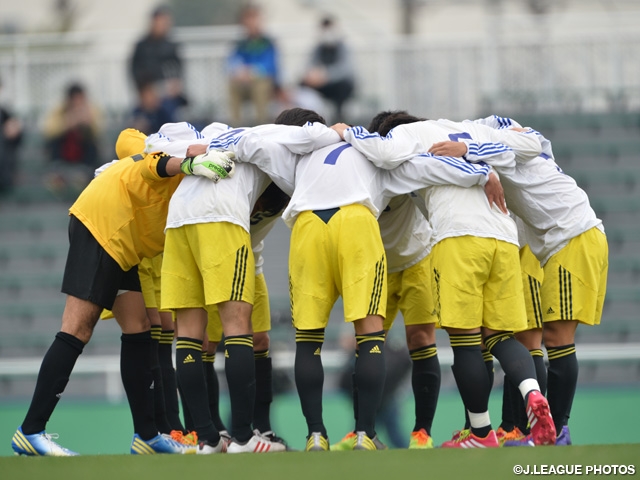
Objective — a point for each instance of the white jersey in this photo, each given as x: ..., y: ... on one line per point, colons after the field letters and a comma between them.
x: 453, y: 211
x: 198, y: 200
x: 175, y: 138
x: 405, y: 141
x: 406, y: 234
x: 338, y: 175
x: 549, y: 202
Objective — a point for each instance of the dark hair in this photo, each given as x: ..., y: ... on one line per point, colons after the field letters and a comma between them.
x: 298, y: 117
x: 74, y: 89
x: 394, y: 120
x: 376, y: 121
x: 327, y: 22
x: 269, y: 204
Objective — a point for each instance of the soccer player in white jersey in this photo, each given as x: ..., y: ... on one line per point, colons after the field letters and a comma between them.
x: 267, y: 210
x: 184, y: 137
x: 208, y: 260
x: 336, y: 197
x: 476, y: 273
x: 406, y: 236
x: 568, y: 239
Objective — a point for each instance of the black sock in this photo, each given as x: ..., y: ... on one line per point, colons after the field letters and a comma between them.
x: 169, y: 383
x: 541, y: 369
x: 562, y: 379
x: 513, y: 409
x: 471, y: 375
x: 53, y: 377
x: 425, y: 381
x: 213, y: 390
x: 137, y: 379
x: 514, y: 358
x: 264, y: 391
x: 488, y: 364
x: 193, y: 390
x: 188, y: 419
x: 370, y: 373
x: 160, y: 410
x: 241, y: 379
x: 309, y: 376
x: 354, y: 393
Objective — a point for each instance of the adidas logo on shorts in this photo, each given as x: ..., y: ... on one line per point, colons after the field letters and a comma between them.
x: 550, y: 310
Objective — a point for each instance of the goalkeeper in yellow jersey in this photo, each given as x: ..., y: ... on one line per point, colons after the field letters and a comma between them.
x: 115, y: 222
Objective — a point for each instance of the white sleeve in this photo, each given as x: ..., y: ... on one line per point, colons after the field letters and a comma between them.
x: 429, y: 170
x: 525, y: 145
x: 499, y: 156
x: 385, y: 152
x: 274, y: 159
x: 306, y: 139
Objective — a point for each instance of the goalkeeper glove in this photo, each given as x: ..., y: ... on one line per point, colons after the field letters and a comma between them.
x: 215, y: 165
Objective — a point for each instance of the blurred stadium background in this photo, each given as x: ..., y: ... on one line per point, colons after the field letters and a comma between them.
x: 568, y: 68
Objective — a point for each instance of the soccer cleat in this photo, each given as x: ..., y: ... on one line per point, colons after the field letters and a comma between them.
x: 565, y: 437
x: 207, y: 448
x: 346, y: 443
x: 190, y: 439
x: 543, y: 431
x: 256, y: 444
x: 161, y: 443
x: 38, y: 444
x: 316, y: 442
x: 364, y: 442
x: 272, y: 437
x: 461, y: 433
x: 504, y: 436
x: 420, y: 440
x: 469, y: 440
x: 525, y: 441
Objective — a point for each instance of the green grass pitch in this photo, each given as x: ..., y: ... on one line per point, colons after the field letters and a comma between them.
x: 390, y: 464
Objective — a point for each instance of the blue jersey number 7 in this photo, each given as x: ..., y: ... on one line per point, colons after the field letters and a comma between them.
x: 455, y: 136
x: 332, y: 158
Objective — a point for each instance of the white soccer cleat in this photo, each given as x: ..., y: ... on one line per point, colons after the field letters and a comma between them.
x: 256, y: 444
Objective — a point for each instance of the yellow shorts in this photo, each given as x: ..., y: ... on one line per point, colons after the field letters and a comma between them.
x: 410, y: 292
x: 205, y: 264
x: 532, y: 275
x: 260, y: 316
x: 341, y: 254
x: 477, y: 283
x: 149, y: 272
x: 575, y: 280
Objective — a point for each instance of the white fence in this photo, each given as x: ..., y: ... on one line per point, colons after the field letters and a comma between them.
x: 453, y: 77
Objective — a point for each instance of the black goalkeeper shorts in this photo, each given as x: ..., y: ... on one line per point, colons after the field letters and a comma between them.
x: 91, y: 273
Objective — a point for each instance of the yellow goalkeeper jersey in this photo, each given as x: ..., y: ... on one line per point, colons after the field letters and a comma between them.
x: 125, y: 208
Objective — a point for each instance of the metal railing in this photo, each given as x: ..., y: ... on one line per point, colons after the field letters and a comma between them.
x: 453, y: 77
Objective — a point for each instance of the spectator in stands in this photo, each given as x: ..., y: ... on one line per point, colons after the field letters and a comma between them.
x: 10, y: 139
x: 72, y: 132
x: 152, y: 111
x: 253, y: 70
x: 156, y: 60
x: 330, y: 71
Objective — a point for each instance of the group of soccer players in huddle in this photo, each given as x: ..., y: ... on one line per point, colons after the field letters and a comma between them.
x: 466, y: 226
